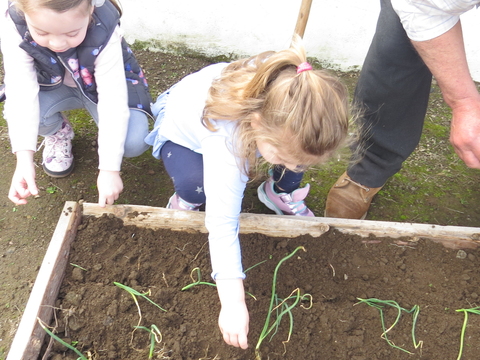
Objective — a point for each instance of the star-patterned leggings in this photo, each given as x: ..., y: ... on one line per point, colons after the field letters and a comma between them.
x: 185, y: 168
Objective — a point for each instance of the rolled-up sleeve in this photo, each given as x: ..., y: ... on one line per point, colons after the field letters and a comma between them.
x: 427, y: 19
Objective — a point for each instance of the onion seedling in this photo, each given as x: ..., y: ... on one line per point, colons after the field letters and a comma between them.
x: 281, y: 307
x: 475, y: 310
x: 67, y: 345
x: 155, y: 337
x: 200, y: 282
x: 379, y: 305
x: 134, y: 294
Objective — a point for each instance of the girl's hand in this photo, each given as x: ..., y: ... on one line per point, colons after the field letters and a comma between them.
x: 110, y: 186
x: 23, y: 180
x: 233, y: 322
x: 233, y: 319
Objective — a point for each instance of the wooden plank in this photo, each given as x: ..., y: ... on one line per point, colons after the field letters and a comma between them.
x: 290, y: 226
x: 29, y: 336
x: 161, y: 218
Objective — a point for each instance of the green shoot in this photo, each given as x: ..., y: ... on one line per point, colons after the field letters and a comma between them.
x: 134, y: 293
x: 379, y: 305
x: 78, y: 266
x: 251, y: 267
x: 475, y: 310
x: 281, y: 307
x: 51, y: 189
x: 67, y: 345
x: 155, y: 337
x: 199, y: 280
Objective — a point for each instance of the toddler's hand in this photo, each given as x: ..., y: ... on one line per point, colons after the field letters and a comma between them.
x: 233, y: 322
x: 233, y: 319
x: 23, y: 180
x: 110, y: 186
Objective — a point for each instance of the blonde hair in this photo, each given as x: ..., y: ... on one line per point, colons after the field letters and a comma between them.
x: 59, y: 6
x: 304, y: 115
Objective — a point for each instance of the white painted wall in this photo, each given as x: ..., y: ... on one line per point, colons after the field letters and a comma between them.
x: 338, y: 31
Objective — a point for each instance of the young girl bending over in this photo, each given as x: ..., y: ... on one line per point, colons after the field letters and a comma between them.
x: 215, y: 125
x: 62, y: 55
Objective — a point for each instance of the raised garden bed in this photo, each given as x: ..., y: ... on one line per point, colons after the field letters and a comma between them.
x: 156, y: 249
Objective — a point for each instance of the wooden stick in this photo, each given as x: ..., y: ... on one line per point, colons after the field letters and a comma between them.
x: 302, y: 18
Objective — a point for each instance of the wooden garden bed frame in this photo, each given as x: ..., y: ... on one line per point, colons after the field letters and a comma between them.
x: 29, y: 337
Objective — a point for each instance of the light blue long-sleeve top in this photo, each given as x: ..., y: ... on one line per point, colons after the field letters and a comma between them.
x: 179, y: 120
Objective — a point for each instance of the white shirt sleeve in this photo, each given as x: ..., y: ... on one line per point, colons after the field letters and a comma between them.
x: 224, y: 189
x: 22, y: 109
x: 113, y: 111
x: 427, y: 19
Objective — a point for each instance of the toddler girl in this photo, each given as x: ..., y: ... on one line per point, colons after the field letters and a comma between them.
x: 62, y: 55
x: 215, y: 126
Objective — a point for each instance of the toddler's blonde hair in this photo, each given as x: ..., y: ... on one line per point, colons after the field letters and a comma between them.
x: 305, y: 115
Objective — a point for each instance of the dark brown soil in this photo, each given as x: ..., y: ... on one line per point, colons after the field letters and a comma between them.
x: 336, y: 269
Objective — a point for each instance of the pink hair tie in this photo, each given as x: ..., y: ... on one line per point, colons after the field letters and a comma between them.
x: 304, y: 67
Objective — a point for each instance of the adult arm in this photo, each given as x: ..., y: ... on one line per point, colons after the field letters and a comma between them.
x: 446, y: 59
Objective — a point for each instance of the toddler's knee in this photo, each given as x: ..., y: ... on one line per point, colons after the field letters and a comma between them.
x: 135, y: 148
x: 137, y: 131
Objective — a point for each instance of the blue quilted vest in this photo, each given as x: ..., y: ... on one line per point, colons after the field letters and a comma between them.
x: 80, y: 61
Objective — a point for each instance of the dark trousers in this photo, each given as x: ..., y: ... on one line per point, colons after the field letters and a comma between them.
x: 392, y: 92
x: 185, y: 168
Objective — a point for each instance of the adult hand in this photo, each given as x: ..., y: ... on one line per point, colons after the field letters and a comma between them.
x: 465, y: 131
x: 445, y: 57
x: 233, y: 319
x: 110, y: 186
x: 23, y: 180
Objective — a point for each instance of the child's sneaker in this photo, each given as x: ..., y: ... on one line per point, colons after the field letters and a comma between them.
x: 57, y: 154
x: 283, y: 203
x: 176, y: 202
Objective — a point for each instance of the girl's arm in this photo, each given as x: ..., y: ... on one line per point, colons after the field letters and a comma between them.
x: 21, y: 111
x: 113, y: 117
x: 224, y: 187
x: 113, y: 112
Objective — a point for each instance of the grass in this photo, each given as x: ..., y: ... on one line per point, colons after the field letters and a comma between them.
x: 51, y: 189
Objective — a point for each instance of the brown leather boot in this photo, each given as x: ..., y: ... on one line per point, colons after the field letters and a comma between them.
x: 348, y: 199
